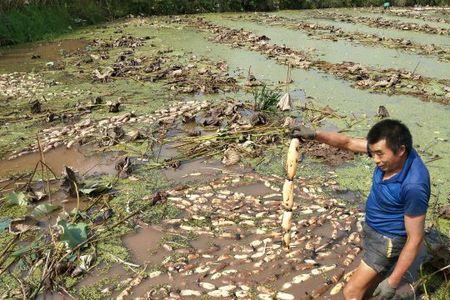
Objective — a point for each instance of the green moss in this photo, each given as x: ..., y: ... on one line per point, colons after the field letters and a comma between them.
x: 160, y: 212
x: 177, y: 241
x: 8, y: 286
x: 93, y: 292
x: 176, y: 257
x: 434, y: 283
x: 5, y: 238
x: 112, y: 247
x: 36, y: 277
x: 443, y: 292
x: 272, y: 162
x: 13, y: 211
x: 70, y: 282
x: 444, y: 226
x: 15, y: 136
x: 206, y: 222
x: 137, y: 193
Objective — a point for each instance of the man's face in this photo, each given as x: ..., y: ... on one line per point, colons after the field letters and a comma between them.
x: 385, y: 158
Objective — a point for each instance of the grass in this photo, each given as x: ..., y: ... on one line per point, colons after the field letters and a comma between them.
x: 33, y: 23
x: 41, y: 19
x: 265, y: 99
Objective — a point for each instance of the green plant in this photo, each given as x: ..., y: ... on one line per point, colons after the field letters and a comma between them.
x: 265, y: 98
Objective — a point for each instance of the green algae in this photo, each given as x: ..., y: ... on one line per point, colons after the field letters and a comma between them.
x: 16, y: 136
x: 13, y: 211
x: 94, y: 292
x: 176, y: 241
x: 357, y: 176
x: 8, y: 284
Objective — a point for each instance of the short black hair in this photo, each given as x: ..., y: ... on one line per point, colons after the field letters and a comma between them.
x: 394, y: 132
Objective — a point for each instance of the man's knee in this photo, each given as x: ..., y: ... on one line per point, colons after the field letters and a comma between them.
x: 351, y: 292
x: 347, y: 291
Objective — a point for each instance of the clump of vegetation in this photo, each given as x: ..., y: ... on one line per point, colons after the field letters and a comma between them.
x: 265, y: 98
x: 177, y: 241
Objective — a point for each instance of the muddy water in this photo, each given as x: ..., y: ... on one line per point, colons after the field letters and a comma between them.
x: 340, y: 51
x: 417, y: 37
x: 253, y: 189
x: 116, y: 271
x: 20, y: 59
x: 216, y: 252
x: 143, y: 244
x: 195, y: 170
x: 79, y: 159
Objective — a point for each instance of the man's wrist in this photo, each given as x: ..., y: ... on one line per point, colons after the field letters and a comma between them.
x: 393, y: 282
x: 316, y: 134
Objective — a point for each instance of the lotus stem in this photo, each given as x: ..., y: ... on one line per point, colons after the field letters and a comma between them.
x: 288, y: 190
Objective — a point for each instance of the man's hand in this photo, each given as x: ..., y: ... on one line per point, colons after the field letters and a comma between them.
x: 303, y: 132
x: 384, y: 290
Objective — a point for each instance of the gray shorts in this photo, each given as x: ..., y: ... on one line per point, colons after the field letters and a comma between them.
x: 380, y: 252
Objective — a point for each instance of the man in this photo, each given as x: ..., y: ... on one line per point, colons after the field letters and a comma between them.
x: 395, y: 208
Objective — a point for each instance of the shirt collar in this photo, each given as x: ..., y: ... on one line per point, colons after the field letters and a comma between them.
x: 400, y: 176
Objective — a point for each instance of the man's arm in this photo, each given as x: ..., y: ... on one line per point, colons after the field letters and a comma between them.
x: 414, y: 226
x: 342, y: 141
x: 334, y: 139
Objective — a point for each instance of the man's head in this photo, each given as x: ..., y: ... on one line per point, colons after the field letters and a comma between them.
x: 389, y: 142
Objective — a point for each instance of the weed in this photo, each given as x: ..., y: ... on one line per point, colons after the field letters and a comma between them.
x: 177, y: 241
x: 265, y: 98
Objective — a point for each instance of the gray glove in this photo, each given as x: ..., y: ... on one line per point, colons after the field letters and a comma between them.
x: 384, y: 291
x: 303, y: 132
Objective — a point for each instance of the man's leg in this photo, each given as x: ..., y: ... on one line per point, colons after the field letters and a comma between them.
x: 360, y: 281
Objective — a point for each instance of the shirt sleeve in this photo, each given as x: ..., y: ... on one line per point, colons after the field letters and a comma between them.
x: 416, y: 199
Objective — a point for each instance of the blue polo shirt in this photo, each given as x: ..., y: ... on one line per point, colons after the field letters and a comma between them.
x: 406, y: 193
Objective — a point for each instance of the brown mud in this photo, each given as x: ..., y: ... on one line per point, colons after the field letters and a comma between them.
x: 232, y: 256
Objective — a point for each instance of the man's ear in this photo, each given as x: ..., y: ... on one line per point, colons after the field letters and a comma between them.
x: 401, y: 151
